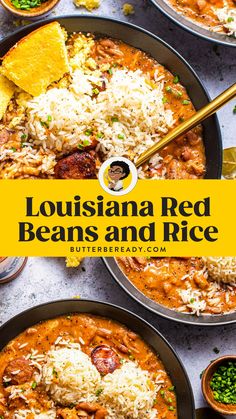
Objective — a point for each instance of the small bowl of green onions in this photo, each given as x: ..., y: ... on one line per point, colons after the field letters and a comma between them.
x: 219, y: 385
x: 29, y: 9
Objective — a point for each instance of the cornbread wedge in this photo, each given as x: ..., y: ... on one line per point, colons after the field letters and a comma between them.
x: 7, y: 89
x: 37, y: 60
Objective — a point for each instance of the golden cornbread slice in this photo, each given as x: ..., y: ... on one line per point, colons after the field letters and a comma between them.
x: 38, y: 59
x: 7, y: 89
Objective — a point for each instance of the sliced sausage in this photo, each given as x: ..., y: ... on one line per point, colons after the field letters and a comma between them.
x: 105, y: 359
x: 76, y: 166
x: 18, y: 371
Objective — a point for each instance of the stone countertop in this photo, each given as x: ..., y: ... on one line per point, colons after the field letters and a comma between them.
x: 46, y: 279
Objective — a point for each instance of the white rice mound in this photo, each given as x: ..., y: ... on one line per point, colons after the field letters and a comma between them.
x: 70, y: 377
x: 128, y: 393
x: 227, y: 16
x: 129, y: 115
x: 222, y: 269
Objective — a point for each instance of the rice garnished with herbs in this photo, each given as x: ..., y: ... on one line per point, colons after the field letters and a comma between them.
x: 129, y: 393
x: 70, y: 376
x: 124, y: 118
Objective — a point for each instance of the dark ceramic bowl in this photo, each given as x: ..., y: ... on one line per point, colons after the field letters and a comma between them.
x: 192, y: 27
x: 28, y: 318
x: 159, y: 50
x: 203, y: 320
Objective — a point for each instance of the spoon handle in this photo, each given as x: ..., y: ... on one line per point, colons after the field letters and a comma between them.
x: 190, y: 123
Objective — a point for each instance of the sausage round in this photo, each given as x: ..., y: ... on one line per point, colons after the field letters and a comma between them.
x: 105, y: 359
x: 79, y: 165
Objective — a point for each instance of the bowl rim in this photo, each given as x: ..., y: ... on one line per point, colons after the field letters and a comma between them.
x: 16, y: 319
x: 46, y: 8
x: 189, y: 25
x: 161, y: 310
x: 27, y: 29
x: 207, y: 374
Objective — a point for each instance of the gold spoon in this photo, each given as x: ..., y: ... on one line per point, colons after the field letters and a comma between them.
x: 198, y: 117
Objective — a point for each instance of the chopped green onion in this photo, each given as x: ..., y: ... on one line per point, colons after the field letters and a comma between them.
x: 171, y: 408
x: 223, y: 383
x: 88, y: 132
x: 49, y: 118
x: 27, y: 4
x: 168, y: 89
x: 99, y: 391
x: 110, y: 71
x: 86, y: 142
x: 34, y: 385
x: 99, y: 135
x: 186, y: 102
x: 23, y: 137
x: 13, y: 149
x: 164, y: 100
x: 121, y: 136
x: 95, y: 91
x: 114, y: 119
x: 176, y: 79
x: 230, y: 19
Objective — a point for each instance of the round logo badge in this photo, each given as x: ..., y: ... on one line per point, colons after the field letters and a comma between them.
x: 118, y: 176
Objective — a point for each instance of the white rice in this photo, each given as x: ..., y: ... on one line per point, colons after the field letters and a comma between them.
x: 69, y: 376
x: 193, y: 300
x: 129, y: 392
x: 222, y: 269
x: 129, y: 115
x: 227, y: 16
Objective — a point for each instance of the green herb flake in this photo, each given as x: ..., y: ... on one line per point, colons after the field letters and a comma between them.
x: 192, y: 300
x: 88, y: 132
x: 234, y: 110
x: 230, y: 19
x: 186, y: 102
x: 23, y: 136
x: 34, y: 385
x: 168, y: 89
x: 110, y: 71
x: 99, y: 135
x: 176, y: 79
x: 49, y: 118
x: 171, y: 408
x: 95, y: 91
x: 86, y: 143
x: 114, y: 119
x: 164, y: 100
x: 172, y: 388
x: 13, y: 149
x: 121, y: 136
x: 99, y: 391
x: 80, y: 146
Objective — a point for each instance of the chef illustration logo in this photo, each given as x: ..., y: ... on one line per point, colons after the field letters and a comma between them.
x: 118, y: 176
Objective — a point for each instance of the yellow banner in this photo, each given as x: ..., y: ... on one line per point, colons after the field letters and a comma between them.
x: 77, y: 217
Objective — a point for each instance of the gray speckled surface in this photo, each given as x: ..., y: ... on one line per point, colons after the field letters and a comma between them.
x: 47, y: 279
